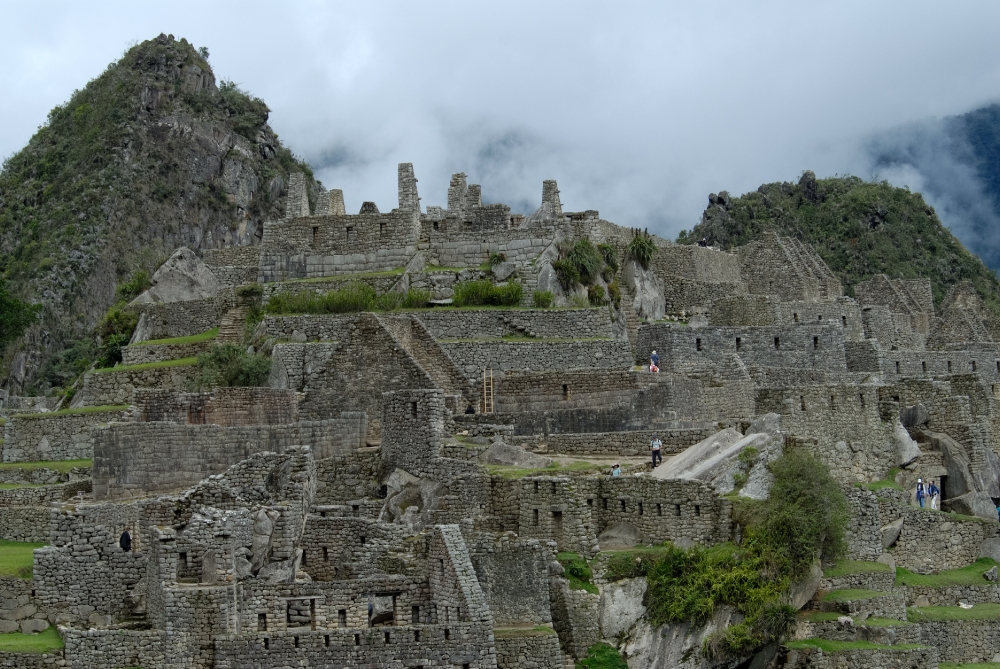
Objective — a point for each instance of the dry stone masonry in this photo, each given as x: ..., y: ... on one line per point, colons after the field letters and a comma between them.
x: 406, y: 488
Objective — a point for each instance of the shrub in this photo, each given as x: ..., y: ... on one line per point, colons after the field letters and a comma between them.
x: 416, y: 298
x: 566, y: 272
x: 497, y: 258
x: 641, y: 249
x: 615, y: 293
x: 586, y: 259
x: 251, y: 291
x: 610, y: 255
x: 595, y: 294
x: 118, y: 321
x: 603, y: 656
x: 542, y: 298
x: 134, y: 287
x: 111, y: 349
x: 484, y: 293
x: 229, y: 365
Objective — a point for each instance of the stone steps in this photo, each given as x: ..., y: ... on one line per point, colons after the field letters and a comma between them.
x: 232, y: 324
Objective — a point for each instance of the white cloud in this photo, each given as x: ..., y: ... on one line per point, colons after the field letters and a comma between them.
x: 638, y: 109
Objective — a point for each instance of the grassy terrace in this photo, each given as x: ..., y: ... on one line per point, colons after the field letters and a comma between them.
x: 545, y: 340
x: 180, y: 362
x: 191, y: 339
x: 846, y: 567
x: 974, y: 665
x: 510, y: 472
x: 937, y: 613
x: 851, y: 595
x: 537, y: 630
x: 15, y: 486
x: 341, y: 277
x: 82, y: 411
x: 17, y: 558
x: 828, y: 646
x: 577, y: 572
x: 43, y: 642
x: 970, y: 575
x: 61, y: 466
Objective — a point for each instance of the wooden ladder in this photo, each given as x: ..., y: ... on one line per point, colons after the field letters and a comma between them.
x: 488, y: 391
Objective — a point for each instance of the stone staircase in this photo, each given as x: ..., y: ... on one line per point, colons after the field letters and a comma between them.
x: 232, y: 325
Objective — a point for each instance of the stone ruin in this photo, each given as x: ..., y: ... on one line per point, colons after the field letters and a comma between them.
x: 398, y: 493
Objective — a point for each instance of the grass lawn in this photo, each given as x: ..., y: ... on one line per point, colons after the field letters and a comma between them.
x: 932, y: 613
x: 845, y: 567
x: 976, y: 665
x: 61, y: 466
x: 148, y: 365
x: 851, y: 595
x: 970, y: 575
x: 13, y: 486
x: 537, y: 630
x: 190, y: 339
x: 17, y: 558
x: 43, y: 642
x: 74, y: 412
x: 510, y: 472
x: 828, y: 646
x: 602, y: 656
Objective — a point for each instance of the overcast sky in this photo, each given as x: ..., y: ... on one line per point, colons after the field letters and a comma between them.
x: 638, y: 109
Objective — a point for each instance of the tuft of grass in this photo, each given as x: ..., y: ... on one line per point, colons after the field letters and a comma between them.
x: 43, y: 642
x: 933, y: 613
x: 578, y: 572
x: 180, y: 362
x: 968, y: 575
x: 61, y: 466
x: 17, y: 558
x: 74, y: 412
x: 641, y: 249
x: 846, y: 567
x: 190, y: 339
x: 484, y: 293
x: 230, y: 366
x: 15, y: 486
x: 602, y: 656
x: 542, y: 299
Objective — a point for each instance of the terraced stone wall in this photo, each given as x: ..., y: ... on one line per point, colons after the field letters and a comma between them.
x: 496, y: 323
x: 528, y: 651
x: 36, y: 437
x: 163, y: 320
x: 118, y: 387
x: 541, y: 391
x: 932, y: 541
x: 221, y: 406
x: 514, y: 575
x: 141, y: 354
x: 25, y: 523
x: 503, y: 356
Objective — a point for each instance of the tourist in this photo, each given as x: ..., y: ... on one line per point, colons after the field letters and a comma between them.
x: 703, y: 243
x: 616, y: 470
x: 654, y: 362
x: 920, y: 492
x: 126, y: 541
x: 655, y: 446
x: 933, y: 492
x: 469, y: 410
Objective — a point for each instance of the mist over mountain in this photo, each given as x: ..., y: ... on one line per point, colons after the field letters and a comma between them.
x: 955, y: 163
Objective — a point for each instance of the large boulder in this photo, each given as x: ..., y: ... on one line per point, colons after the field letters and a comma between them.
x: 181, y: 278
x: 410, y: 501
x: 914, y: 416
x: 645, y: 290
x: 890, y: 532
x: 618, y: 536
x: 907, y: 449
x: 977, y: 504
x: 502, y: 453
x: 621, y: 606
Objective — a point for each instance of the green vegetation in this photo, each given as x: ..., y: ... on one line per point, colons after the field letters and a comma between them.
x: 828, y: 646
x: 577, y: 572
x: 484, y: 293
x: 580, y: 263
x: 61, y: 466
x: 15, y: 316
x: 74, y: 412
x: 595, y: 295
x: 542, y: 299
x: 859, y: 228
x: 15, y: 486
x: 974, y: 665
x: 134, y: 287
x: 804, y: 518
x: 497, y: 258
x: 43, y: 642
x: 615, y: 293
x: 55, y: 228
x: 253, y: 291
x: 641, y: 249
x: 230, y: 365
x: 610, y: 255
x: 845, y: 567
x: 602, y: 656
x: 352, y: 298
x: 932, y: 613
x: 537, y: 630
x: 851, y: 595
x: 17, y: 558
x: 633, y: 563
x: 179, y: 362
x: 968, y: 575
x: 190, y: 339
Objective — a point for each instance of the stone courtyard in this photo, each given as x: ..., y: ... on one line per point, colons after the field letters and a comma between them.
x: 405, y: 489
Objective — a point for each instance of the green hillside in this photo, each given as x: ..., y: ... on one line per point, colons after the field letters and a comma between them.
x: 859, y: 228
x: 150, y: 155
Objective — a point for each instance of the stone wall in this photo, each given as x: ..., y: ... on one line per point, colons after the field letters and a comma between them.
x: 496, y: 323
x: 118, y: 648
x: 41, y: 495
x: 883, y: 658
x: 540, y: 391
x: 625, y: 443
x: 221, y: 406
x: 135, y: 459
x: 37, y: 437
x: 118, y: 386
x: 140, y: 354
x: 514, y: 575
x: 931, y: 541
x: 25, y: 523
x: 576, y: 616
x: 503, y: 356
x: 164, y: 320
x: 686, y: 348
x: 526, y: 650
x: 962, y: 640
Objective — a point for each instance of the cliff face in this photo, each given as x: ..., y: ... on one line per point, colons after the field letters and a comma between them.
x: 151, y: 155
